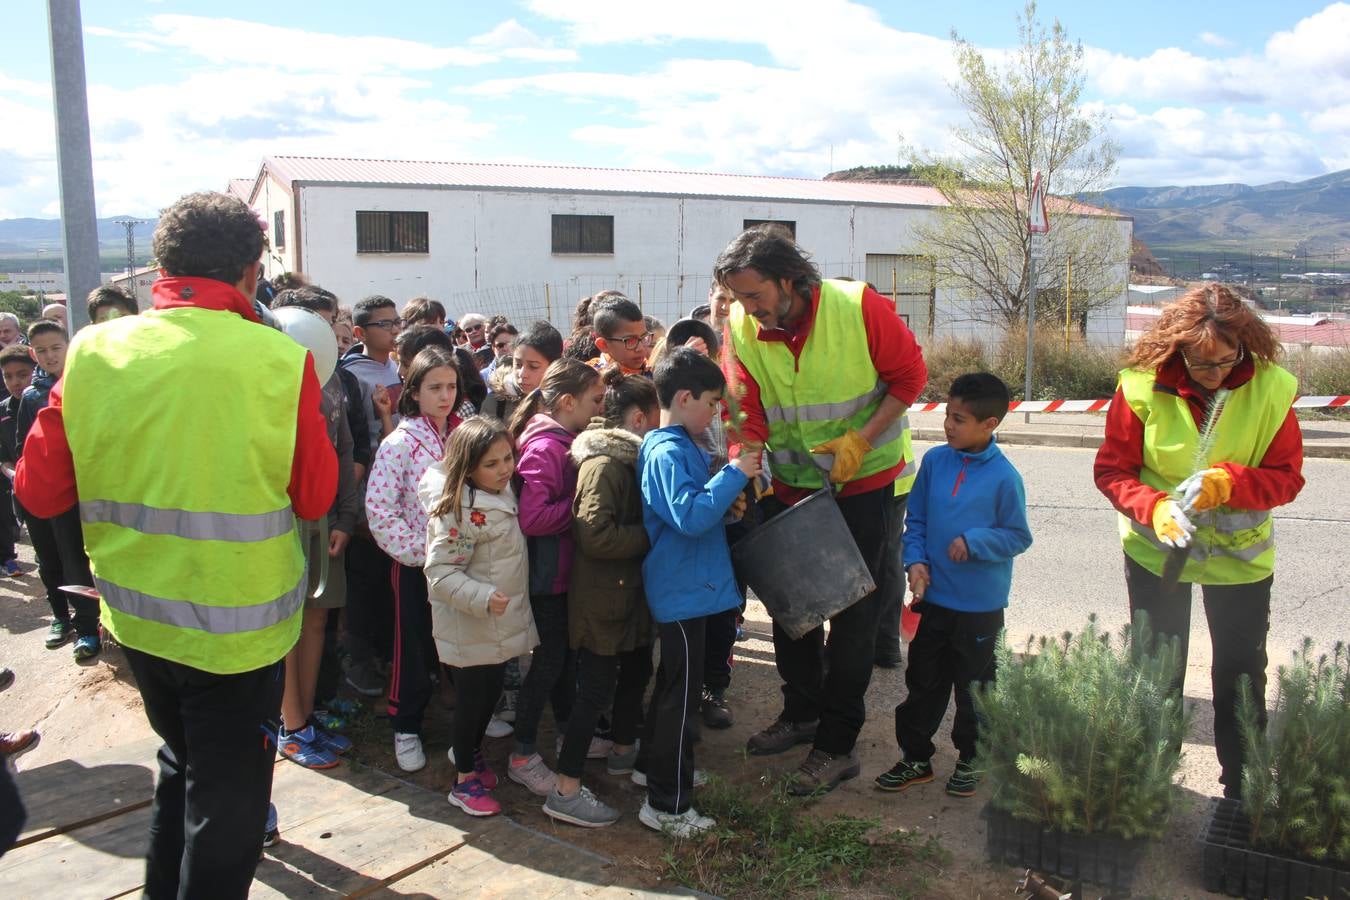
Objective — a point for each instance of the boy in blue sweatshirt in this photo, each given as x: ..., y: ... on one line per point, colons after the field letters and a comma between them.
x: 687, y: 575
x: 967, y: 519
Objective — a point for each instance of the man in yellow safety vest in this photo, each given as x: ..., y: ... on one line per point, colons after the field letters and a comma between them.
x: 191, y: 438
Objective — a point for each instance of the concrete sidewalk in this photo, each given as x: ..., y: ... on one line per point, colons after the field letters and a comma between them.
x: 1325, y: 438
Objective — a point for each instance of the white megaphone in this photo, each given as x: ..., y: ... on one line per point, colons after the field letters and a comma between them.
x: 311, y: 331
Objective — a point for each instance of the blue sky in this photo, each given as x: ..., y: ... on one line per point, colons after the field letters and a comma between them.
x: 185, y: 94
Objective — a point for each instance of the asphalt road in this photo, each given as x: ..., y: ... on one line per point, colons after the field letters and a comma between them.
x: 1076, y: 567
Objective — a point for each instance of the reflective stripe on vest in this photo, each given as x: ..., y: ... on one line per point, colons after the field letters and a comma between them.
x: 200, y: 526
x: 830, y: 387
x: 182, y: 430
x: 1230, y: 546
x: 213, y: 619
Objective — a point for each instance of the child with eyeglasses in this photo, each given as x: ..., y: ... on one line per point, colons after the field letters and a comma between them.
x: 622, y: 337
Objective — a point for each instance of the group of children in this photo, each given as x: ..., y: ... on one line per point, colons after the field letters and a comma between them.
x: 582, y: 528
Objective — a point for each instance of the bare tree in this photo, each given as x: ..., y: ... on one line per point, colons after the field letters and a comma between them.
x: 1025, y: 115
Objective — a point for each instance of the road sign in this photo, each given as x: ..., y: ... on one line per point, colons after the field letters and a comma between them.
x: 1037, y: 221
x: 1038, y: 243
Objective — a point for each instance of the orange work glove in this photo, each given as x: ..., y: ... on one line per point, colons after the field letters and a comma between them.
x: 1170, y: 523
x: 1206, y: 489
x: 849, y: 450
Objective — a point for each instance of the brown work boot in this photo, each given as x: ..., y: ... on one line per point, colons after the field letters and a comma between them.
x: 781, y: 735
x: 12, y: 743
x: 821, y: 772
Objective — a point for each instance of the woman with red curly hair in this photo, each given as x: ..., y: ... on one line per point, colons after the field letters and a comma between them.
x: 1209, y: 356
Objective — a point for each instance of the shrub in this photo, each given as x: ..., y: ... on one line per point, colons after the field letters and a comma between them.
x: 1296, y: 781
x: 1079, y: 372
x: 1082, y: 736
x: 1320, y: 372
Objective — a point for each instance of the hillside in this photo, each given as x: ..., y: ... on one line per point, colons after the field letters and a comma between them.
x: 24, y: 237
x: 1311, y: 217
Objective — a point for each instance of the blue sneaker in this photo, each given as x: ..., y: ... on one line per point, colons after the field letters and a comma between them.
x: 87, y: 646
x: 304, y: 748
x: 328, y: 719
x: 12, y: 568
x: 329, y: 738
x: 342, y: 707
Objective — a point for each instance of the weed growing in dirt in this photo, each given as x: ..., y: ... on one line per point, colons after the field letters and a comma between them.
x: 767, y: 844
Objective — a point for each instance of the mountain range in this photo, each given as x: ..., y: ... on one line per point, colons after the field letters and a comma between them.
x: 1310, y: 217
x: 24, y: 237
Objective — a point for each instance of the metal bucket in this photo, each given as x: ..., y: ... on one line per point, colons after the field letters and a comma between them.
x: 803, y: 564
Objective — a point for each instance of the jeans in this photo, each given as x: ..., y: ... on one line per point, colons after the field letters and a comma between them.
x: 620, y: 679
x: 1239, y: 617
x: 952, y: 650
x: 215, y: 775
x: 828, y: 681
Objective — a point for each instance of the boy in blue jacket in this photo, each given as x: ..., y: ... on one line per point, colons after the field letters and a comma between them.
x: 967, y: 519
x: 687, y: 575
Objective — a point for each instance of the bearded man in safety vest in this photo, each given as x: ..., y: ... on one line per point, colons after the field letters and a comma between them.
x: 826, y: 370
x: 191, y: 438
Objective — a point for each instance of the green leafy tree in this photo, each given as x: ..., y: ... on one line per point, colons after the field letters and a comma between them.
x: 1024, y: 115
x: 25, y: 306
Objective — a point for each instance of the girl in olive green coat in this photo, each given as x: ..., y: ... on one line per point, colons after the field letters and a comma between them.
x: 609, y: 623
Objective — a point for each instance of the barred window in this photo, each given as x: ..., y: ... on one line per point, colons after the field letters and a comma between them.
x: 392, y: 232
x: 278, y: 229
x: 787, y: 224
x: 583, y: 234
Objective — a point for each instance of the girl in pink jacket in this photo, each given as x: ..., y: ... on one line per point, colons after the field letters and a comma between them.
x: 398, y: 523
x: 544, y: 425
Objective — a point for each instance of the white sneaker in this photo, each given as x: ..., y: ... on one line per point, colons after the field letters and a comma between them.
x: 687, y: 824
x: 496, y: 728
x: 408, y: 751
x: 534, y: 774
x: 640, y: 778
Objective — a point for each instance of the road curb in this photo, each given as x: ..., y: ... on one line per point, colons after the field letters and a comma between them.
x: 1093, y: 441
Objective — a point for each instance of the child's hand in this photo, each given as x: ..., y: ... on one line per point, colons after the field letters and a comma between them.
x: 919, y: 579
x: 383, y: 405
x: 497, y: 603
x: 748, y: 463
x: 957, y: 551
x: 337, y: 542
x: 698, y: 344
x: 738, y: 506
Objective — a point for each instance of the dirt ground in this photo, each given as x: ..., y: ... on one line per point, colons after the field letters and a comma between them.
x: 93, y: 706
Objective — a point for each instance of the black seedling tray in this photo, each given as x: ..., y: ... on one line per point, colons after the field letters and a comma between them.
x: 1097, y: 858
x: 1235, y: 868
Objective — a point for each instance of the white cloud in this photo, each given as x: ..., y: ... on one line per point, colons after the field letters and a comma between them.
x: 1211, y: 39
x: 512, y: 40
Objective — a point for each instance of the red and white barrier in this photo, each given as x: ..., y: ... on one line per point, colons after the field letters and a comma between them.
x: 1067, y: 406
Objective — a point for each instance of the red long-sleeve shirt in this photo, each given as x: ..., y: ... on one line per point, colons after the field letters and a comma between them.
x: 45, y: 478
x: 1275, y: 482
x: 895, y: 353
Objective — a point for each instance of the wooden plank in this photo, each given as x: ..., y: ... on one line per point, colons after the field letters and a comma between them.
x: 101, y: 860
x: 89, y: 788
x: 349, y: 838
x: 508, y: 861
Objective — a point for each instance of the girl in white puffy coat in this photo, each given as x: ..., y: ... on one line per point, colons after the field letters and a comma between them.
x: 398, y: 522
x: 478, y: 575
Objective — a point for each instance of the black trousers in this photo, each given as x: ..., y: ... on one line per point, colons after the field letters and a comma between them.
x: 952, y: 651
x: 719, y: 645
x: 604, y: 680
x: 666, y: 755
x: 9, y: 525
x: 215, y: 775
x: 1239, y: 617
x: 552, y: 675
x: 414, y: 650
x: 370, y: 603
x: 59, y: 546
x: 829, y: 682
x: 476, y: 691
x: 891, y: 594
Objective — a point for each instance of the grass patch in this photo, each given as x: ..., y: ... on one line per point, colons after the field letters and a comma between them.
x: 1081, y: 371
x: 767, y: 844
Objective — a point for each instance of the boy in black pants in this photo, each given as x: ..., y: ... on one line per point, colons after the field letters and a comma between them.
x: 687, y: 575
x: 58, y: 542
x: 966, y: 521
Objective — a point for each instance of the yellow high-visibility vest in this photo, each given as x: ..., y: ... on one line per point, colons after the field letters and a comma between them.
x: 193, y: 543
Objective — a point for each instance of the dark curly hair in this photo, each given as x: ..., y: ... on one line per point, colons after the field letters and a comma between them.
x: 209, y: 235
x: 770, y: 251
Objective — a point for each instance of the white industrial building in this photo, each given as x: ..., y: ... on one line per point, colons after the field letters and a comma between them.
x: 528, y: 241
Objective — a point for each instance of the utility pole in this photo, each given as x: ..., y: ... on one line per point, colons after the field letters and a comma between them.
x: 79, y: 217
x: 1038, y: 225
x: 130, y: 226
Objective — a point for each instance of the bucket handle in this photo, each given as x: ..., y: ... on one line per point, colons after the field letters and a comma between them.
x: 825, y: 467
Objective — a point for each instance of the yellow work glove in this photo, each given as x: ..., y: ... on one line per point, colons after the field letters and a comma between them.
x: 1170, y: 523
x: 849, y: 450
x: 1206, y: 489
